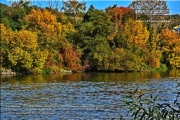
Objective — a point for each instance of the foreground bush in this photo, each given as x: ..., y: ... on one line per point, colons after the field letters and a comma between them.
x: 145, y: 107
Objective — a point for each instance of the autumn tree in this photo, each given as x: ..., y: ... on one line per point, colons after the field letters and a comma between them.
x: 153, y: 57
x: 48, y: 29
x: 71, y: 57
x: 18, y: 50
x: 136, y: 34
x: 5, y: 37
x: 39, y: 60
x: 117, y: 15
x: 43, y: 22
x: 120, y: 59
x: 36, y: 40
x: 52, y: 35
x: 132, y: 38
x: 22, y: 45
x: 169, y: 43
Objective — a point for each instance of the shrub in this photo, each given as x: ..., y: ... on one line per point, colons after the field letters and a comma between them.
x: 142, y: 107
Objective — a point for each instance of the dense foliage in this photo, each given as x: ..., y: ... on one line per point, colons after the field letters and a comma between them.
x: 37, y: 40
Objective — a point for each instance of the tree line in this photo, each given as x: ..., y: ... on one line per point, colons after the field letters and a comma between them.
x: 44, y: 40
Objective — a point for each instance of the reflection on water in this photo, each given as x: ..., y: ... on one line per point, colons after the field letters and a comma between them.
x: 79, y: 95
x: 93, y: 77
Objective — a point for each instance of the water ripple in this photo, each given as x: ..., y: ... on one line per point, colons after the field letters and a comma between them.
x: 79, y: 100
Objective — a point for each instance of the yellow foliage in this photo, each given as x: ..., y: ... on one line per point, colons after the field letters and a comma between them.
x: 5, y: 33
x: 136, y: 33
x: 45, y: 22
x: 39, y: 58
x: 17, y: 55
x: 48, y: 29
x: 24, y: 39
x: 169, y: 40
x: 62, y: 30
x: 41, y: 19
x: 170, y: 46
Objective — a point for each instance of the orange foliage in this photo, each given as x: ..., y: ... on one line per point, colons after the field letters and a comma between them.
x: 170, y: 46
x: 169, y: 41
x: 70, y: 57
x: 117, y: 13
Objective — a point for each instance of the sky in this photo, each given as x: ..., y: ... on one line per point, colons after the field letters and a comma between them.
x: 173, y: 5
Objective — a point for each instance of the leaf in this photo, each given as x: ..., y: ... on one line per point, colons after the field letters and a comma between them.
x: 129, y: 96
x: 151, y: 96
x: 155, y: 98
x: 136, y: 113
x: 136, y: 90
x: 140, y: 96
x: 142, y: 116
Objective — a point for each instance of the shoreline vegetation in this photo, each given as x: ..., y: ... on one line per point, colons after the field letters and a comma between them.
x: 51, y: 40
x: 9, y: 72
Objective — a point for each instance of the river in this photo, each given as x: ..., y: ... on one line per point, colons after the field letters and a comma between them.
x: 79, y: 95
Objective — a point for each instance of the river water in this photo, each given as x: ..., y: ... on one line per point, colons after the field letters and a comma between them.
x: 79, y: 95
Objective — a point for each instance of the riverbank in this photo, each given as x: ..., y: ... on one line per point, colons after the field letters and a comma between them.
x: 7, y: 72
x: 162, y: 68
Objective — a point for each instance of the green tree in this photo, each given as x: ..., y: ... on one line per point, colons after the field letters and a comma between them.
x: 13, y: 15
x: 93, y: 36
